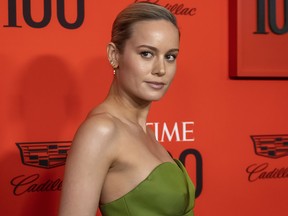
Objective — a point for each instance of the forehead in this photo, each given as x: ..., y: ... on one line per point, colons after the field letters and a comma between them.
x: 155, y: 32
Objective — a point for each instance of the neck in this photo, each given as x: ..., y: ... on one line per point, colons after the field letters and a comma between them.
x: 126, y: 108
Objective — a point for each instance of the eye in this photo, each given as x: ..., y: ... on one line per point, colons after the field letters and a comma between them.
x: 146, y: 54
x: 171, y: 57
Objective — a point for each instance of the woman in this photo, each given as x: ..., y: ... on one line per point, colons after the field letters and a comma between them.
x: 115, y: 162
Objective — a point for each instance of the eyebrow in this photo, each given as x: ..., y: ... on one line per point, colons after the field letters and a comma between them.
x: 155, y: 49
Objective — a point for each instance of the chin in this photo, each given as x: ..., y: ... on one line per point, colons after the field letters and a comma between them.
x: 152, y: 96
x: 155, y: 97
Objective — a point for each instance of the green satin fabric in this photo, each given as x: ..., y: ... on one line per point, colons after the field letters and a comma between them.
x: 167, y: 191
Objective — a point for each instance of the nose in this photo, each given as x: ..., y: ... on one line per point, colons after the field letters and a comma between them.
x: 160, y: 68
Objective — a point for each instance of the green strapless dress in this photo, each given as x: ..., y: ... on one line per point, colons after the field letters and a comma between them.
x: 167, y: 191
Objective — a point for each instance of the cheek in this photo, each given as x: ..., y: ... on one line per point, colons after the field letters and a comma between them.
x: 128, y: 63
x: 144, y: 67
x: 172, y: 71
x: 131, y: 71
x: 137, y: 67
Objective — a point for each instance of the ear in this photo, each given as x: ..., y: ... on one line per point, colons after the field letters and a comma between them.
x: 113, y: 54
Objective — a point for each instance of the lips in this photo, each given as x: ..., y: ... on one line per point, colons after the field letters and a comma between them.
x: 156, y: 85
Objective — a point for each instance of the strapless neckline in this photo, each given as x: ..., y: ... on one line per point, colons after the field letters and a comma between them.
x: 148, y: 177
x: 167, y: 191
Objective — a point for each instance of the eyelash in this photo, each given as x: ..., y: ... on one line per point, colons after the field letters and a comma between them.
x: 173, y: 55
x: 144, y: 55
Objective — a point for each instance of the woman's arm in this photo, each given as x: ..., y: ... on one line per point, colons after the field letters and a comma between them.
x: 88, y: 162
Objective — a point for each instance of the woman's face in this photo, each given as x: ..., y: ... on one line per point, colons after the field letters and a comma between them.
x: 148, y: 62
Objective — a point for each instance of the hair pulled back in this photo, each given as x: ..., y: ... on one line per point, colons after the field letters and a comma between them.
x: 136, y: 12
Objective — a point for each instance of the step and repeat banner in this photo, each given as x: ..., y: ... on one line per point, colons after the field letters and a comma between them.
x: 225, y: 116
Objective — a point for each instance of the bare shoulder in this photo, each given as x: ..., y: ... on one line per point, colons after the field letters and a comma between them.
x: 98, y: 126
x: 98, y: 133
x: 91, y: 155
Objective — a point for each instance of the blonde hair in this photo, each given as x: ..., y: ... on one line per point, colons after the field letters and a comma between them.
x: 141, y: 11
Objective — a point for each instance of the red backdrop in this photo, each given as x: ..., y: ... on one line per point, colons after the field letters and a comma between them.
x: 53, y: 71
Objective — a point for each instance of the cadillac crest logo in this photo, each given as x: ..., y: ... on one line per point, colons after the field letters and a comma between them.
x: 44, y: 154
x: 272, y: 146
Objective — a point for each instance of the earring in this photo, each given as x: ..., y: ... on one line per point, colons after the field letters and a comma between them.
x: 113, y: 66
x: 112, y: 63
